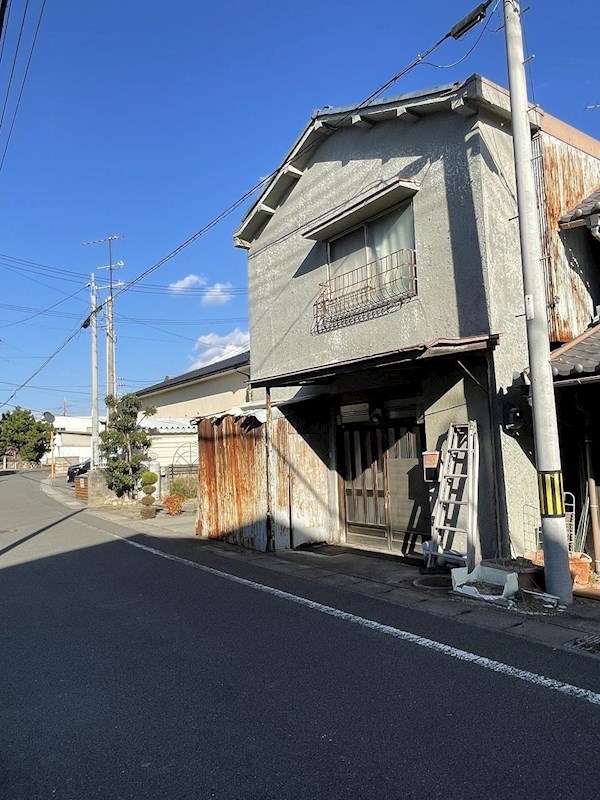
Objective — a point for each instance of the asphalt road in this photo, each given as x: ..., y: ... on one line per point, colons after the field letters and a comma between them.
x: 129, y: 675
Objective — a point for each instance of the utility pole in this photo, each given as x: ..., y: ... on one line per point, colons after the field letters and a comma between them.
x: 545, y: 426
x: 111, y: 339
x: 111, y: 379
x: 111, y: 383
x: 94, y: 332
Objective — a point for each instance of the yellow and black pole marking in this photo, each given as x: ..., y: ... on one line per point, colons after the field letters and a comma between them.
x: 552, y: 496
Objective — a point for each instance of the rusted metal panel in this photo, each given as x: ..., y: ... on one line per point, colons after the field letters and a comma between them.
x: 279, y: 484
x: 233, y: 481
x: 564, y: 176
x: 233, y: 467
x: 309, y: 488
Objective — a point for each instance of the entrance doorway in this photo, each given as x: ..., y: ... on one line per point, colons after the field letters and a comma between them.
x: 385, y: 497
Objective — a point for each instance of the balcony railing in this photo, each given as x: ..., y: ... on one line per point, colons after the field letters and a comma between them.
x: 367, y: 291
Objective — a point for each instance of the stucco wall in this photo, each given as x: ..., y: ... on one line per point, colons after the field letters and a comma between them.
x: 202, y: 398
x: 285, y: 268
x: 517, y: 487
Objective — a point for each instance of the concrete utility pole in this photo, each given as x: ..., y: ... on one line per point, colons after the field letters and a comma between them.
x: 94, y: 332
x: 545, y: 427
x: 111, y: 341
x: 111, y: 374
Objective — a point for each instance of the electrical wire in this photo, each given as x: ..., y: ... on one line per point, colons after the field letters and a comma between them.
x: 50, y: 358
x: 42, y: 311
x: 28, y: 277
x: 470, y: 50
x: 16, y: 111
x: 14, y: 63
x: 39, y: 266
x: 183, y: 322
x: 227, y: 212
x: 5, y: 22
x: 179, y: 336
x: 37, y: 311
x: 264, y: 181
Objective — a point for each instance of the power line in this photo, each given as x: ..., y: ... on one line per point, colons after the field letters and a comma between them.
x: 16, y: 271
x: 39, y: 265
x: 69, y: 276
x: 303, y: 150
x: 14, y: 63
x: 5, y: 7
x: 50, y: 358
x: 38, y: 311
x: 216, y: 321
x: 196, y: 340
x: 43, y: 311
x: 471, y: 49
x: 16, y: 111
x: 455, y: 32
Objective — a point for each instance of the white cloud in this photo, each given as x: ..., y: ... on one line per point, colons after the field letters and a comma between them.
x: 189, y: 282
x: 214, y: 347
x: 217, y: 295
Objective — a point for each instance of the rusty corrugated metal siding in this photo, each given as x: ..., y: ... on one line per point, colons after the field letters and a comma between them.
x: 233, y: 482
x: 279, y: 484
x: 564, y: 177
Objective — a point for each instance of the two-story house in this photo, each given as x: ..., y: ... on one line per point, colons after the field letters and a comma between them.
x: 384, y: 277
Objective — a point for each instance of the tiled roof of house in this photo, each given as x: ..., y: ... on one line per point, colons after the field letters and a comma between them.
x: 580, y: 357
x: 591, y: 205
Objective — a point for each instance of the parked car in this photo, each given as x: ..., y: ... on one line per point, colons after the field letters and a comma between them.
x: 77, y: 469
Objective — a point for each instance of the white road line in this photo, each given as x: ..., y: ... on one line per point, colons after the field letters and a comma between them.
x: 421, y: 641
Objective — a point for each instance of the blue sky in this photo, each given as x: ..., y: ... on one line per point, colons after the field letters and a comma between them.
x: 147, y: 119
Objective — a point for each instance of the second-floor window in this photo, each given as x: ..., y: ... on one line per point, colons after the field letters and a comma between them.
x: 374, y: 242
x: 372, y: 269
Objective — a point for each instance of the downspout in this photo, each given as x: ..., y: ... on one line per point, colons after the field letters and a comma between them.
x: 495, y: 449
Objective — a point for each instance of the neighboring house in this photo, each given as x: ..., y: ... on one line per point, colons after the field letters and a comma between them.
x: 200, y: 392
x: 385, y: 285
x: 72, y: 442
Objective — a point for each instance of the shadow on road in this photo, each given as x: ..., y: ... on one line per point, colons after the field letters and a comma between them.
x: 38, y: 531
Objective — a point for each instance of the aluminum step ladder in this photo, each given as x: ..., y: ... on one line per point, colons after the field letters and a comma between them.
x: 458, y: 490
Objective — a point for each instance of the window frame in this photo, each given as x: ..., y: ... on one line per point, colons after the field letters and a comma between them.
x: 367, y: 251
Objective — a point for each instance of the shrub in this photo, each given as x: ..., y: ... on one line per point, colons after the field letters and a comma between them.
x: 173, y: 504
x: 186, y: 485
x: 148, y: 488
x: 148, y: 512
x: 148, y: 500
x: 148, y: 477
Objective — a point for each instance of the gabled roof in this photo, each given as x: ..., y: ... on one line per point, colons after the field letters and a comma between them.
x: 587, y: 207
x: 466, y: 98
x: 197, y: 375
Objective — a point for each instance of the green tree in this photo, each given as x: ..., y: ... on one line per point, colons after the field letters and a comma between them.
x: 124, y: 443
x: 22, y: 436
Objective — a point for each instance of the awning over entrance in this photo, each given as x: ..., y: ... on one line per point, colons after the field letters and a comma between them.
x: 437, y: 348
x: 578, y: 361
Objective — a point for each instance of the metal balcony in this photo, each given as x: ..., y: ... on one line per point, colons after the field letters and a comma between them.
x: 366, y: 292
